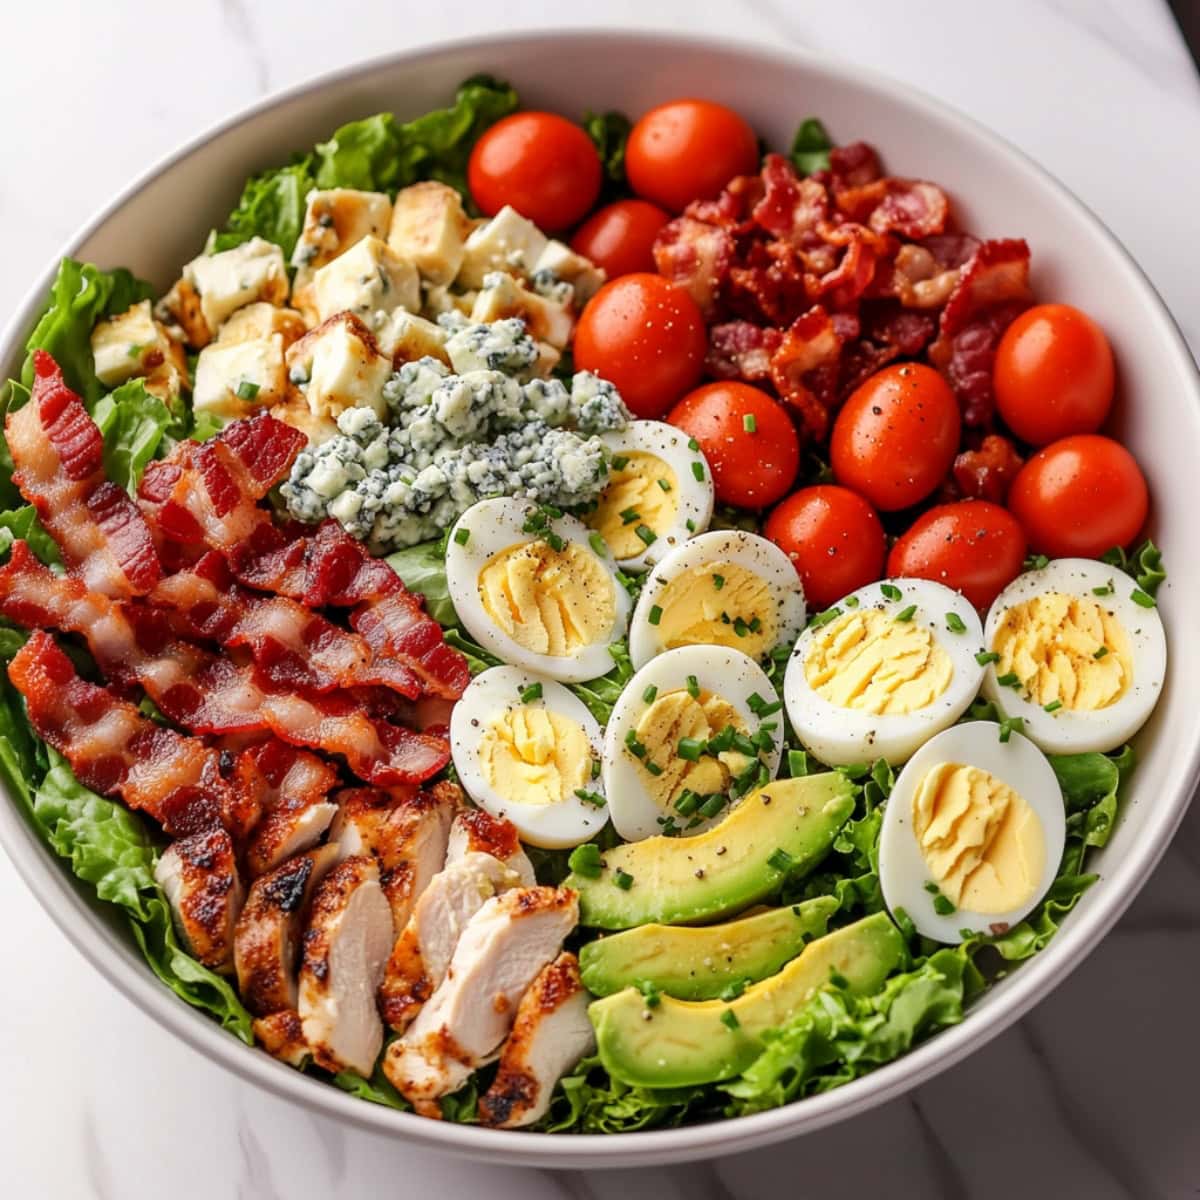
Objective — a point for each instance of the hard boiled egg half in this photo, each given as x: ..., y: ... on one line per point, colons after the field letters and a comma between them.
x: 659, y: 493
x: 1079, y: 654
x: 534, y: 588
x: 527, y: 749
x: 883, y: 670
x: 694, y: 730
x: 973, y: 833
x: 723, y: 588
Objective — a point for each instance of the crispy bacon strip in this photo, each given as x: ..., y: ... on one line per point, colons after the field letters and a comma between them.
x: 58, y: 454
x: 115, y: 750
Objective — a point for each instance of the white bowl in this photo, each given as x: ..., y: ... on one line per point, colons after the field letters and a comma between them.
x: 161, y: 219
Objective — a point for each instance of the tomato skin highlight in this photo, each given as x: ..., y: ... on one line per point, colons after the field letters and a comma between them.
x: 973, y: 546
x: 833, y: 537
x: 688, y: 150
x: 545, y: 166
x: 895, y: 438
x: 1079, y: 497
x: 620, y: 237
x: 646, y: 336
x: 1053, y: 374
x: 750, y: 469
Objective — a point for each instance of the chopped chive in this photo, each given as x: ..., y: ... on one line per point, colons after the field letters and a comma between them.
x: 759, y: 707
x: 655, y: 614
x: 742, y: 744
x: 1009, y: 679
x: 462, y: 536
x: 1037, y: 562
x: 780, y: 859
x: 851, y: 602
x: 531, y: 693
x: 690, y: 748
x: 824, y: 618
x: 718, y: 582
x: 664, y: 484
x: 246, y: 390
x: 943, y: 905
x: 629, y: 515
x: 755, y: 624
x: 1053, y: 706
x: 585, y: 860
x: 797, y: 763
x: 1009, y: 725
x: 763, y: 740
x: 653, y: 767
x: 691, y: 525
x: 1106, y: 590
x: 134, y: 350
x: 1101, y: 652
x: 698, y: 471
x: 986, y: 656
x: 907, y: 614
x: 598, y: 545
x: 931, y: 887
x: 729, y: 1019
x: 554, y: 541
x: 721, y: 741
x: 646, y: 534
x: 693, y: 687
x: 890, y: 591
x: 740, y: 627
x: 1142, y: 598
x: 688, y: 802
x: 619, y: 462
x: 838, y: 979
x: 693, y: 444
x: 595, y: 768
x: 633, y: 745
x: 712, y: 805
x: 622, y: 879
x: 592, y: 798
x: 955, y: 623
x: 749, y: 424
x: 649, y: 694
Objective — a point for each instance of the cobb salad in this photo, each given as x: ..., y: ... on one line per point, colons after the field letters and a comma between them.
x: 575, y: 625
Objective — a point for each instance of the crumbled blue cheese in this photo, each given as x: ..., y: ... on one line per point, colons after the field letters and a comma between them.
x: 597, y: 405
x: 500, y: 346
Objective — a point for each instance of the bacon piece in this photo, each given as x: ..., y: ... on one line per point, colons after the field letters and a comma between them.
x: 987, y: 473
x: 912, y: 208
x: 58, y: 455
x: 741, y: 350
x: 810, y: 344
x: 791, y: 208
x: 854, y: 165
x: 264, y: 448
x: 966, y: 359
x: 115, y: 750
x: 696, y: 256
x: 997, y: 273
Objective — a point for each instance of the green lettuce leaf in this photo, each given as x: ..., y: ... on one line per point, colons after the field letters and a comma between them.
x: 811, y: 147
x: 423, y: 570
x: 133, y: 423
x: 609, y: 132
x: 20, y: 750
x: 588, y: 1100
x: 378, y: 1089
x: 23, y: 524
x: 272, y: 206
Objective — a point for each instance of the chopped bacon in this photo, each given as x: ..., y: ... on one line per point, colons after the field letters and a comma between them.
x: 696, y: 255
x: 997, y: 273
x: 987, y: 473
x: 57, y: 451
x: 853, y: 166
x: 966, y: 359
x: 741, y: 350
x: 115, y: 750
x: 791, y: 208
x: 265, y: 448
x: 912, y: 208
x: 810, y: 344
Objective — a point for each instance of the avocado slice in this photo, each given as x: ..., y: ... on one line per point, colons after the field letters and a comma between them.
x: 783, y: 829
x: 700, y: 962
x: 677, y: 1043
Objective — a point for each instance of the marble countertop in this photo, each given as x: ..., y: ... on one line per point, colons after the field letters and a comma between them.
x: 1092, y: 1095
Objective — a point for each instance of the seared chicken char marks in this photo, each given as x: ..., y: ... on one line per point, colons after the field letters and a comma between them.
x: 199, y: 875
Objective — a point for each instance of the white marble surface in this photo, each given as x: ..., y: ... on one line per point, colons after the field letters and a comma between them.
x: 1093, y: 1095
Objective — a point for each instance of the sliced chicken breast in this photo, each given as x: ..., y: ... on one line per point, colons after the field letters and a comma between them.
x: 422, y: 953
x: 281, y: 1034
x: 267, y: 937
x: 477, y: 832
x: 550, y: 1035
x: 199, y: 877
x: 345, y: 948
x: 504, y: 946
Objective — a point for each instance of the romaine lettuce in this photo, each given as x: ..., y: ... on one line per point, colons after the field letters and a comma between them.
x: 133, y: 423
x: 272, y: 206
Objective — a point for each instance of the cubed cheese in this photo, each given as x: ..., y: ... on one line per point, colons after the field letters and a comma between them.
x: 369, y: 280
x: 234, y: 378
x: 260, y: 321
x: 334, y: 221
x: 405, y: 337
x: 226, y: 281
x: 429, y: 228
x: 337, y: 366
x: 548, y: 358
x: 508, y: 242
x: 133, y: 343
x: 502, y: 296
x: 581, y: 273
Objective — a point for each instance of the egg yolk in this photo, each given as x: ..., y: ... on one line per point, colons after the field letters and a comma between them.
x: 549, y: 601
x: 718, y: 604
x: 642, y: 492
x: 869, y: 661
x: 1068, y: 649
x: 981, y: 841
x: 676, y: 715
x: 532, y: 755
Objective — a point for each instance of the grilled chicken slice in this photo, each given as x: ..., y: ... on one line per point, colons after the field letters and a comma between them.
x: 345, y: 947
x: 508, y: 941
x: 550, y: 1035
x: 406, y: 832
x: 422, y: 953
x: 281, y: 1034
x: 477, y: 832
x: 267, y: 937
x: 199, y: 876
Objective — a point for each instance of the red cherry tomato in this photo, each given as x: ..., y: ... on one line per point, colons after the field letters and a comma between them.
x: 896, y: 436
x: 1079, y: 497
x: 688, y: 150
x: 645, y: 335
x: 1053, y: 374
x: 620, y: 237
x: 834, y: 538
x: 542, y: 164
x: 748, y: 439
x: 973, y: 546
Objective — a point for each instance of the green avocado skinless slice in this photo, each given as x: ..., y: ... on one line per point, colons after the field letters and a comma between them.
x: 680, y: 1043
x: 781, y: 830
x: 699, y: 962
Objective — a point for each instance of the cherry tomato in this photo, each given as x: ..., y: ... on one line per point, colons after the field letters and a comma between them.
x: 542, y: 164
x: 1053, y: 374
x: 620, y: 238
x: 748, y: 439
x: 1079, y: 497
x: 973, y: 546
x: 834, y: 538
x: 896, y: 436
x: 688, y: 150
x: 645, y: 335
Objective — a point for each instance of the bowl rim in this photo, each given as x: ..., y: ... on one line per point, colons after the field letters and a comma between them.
x: 78, y: 919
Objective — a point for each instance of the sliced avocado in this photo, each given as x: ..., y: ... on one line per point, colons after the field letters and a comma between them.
x: 677, y: 1043
x: 783, y: 829
x: 700, y: 962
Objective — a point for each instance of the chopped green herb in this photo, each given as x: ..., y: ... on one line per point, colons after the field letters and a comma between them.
x: 755, y: 624
x: 598, y: 544
x: 629, y: 515
x: 718, y: 582
x: 986, y: 656
x: 851, y: 602
x: 742, y: 744
x: 780, y: 859
x: 698, y: 471
x: 554, y: 540
x: 623, y: 879
x: 247, y: 390
x: 955, y: 623
x: 693, y: 687
x: 646, y: 534
x: 655, y: 614
x: 633, y: 745
x: 531, y: 693
x: 749, y: 424
x: 1142, y: 598
x: 1010, y: 725
x: 722, y: 740
x: 729, y: 1019
x: 733, y: 989
x: 712, y: 805
x: 797, y: 763
x: 688, y: 802
x: 649, y: 694
x: 760, y: 707
x: 650, y: 992
x: 824, y: 618
x: 693, y: 444
x: 1101, y: 652
x: 740, y: 627
x: 690, y: 748
x: 592, y: 798
x: 653, y: 767
x: 585, y: 860
x: 134, y: 350
x: 1009, y: 679
x: 691, y: 525
x: 1036, y: 562
x: 907, y: 614
x: 931, y: 887
x: 665, y: 484
x: 1053, y: 706
x: 890, y: 591
x: 1106, y: 590
x: 619, y: 462
x: 462, y: 536
x: 943, y: 905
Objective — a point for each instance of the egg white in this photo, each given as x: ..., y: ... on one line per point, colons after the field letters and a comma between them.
x: 488, y: 696
x: 1063, y: 731
x: 495, y: 525
x: 903, y: 872
x: 842, y: 736
x: 747, y: 550
x: 726, y: 673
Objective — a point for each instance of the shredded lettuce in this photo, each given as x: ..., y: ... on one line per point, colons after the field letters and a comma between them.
x: 133, y: 423
x: 423, y: 569
x: 272, y: 206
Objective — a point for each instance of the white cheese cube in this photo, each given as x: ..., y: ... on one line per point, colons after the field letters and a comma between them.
x: 405, y: 337
x: 369, y: 280
x: 233, y: 379
x: 508, y: 242
x: 133, y: 343
x: 334, y: 221
x: 260, y: 321
x: 581, y: 273
x: 502, y: 296
x: 226, y: 281
x: 338, y: 366
x: 429, y: 228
